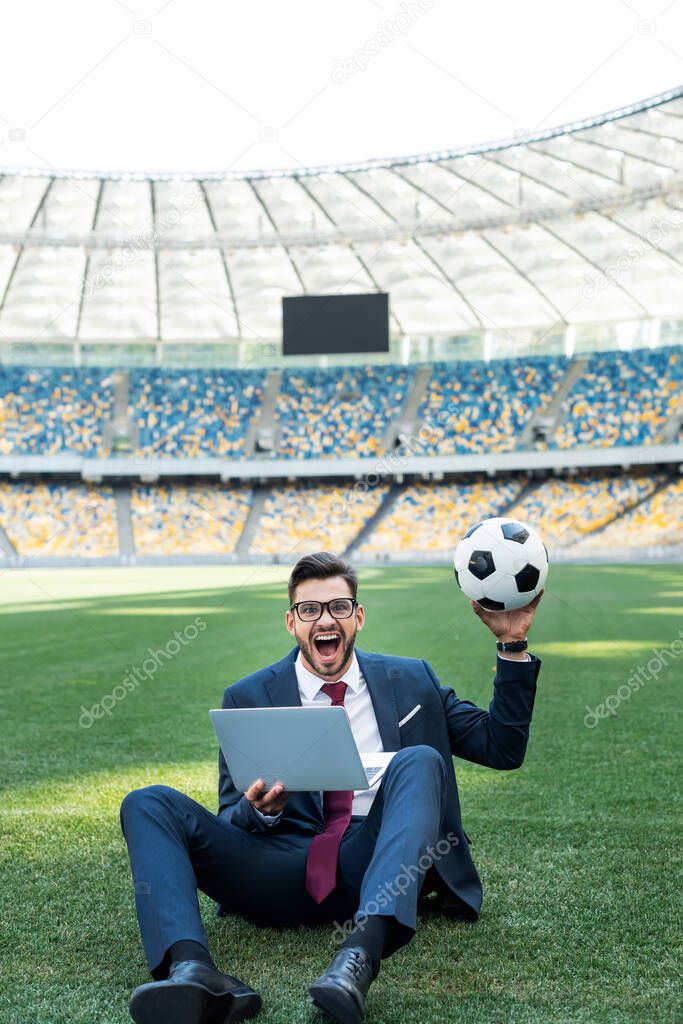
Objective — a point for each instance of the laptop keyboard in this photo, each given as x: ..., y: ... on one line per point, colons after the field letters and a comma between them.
x: 371, y: 772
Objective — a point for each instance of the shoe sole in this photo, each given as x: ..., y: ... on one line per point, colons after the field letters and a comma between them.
x: 178, y: 1003
x: 337, y: 1003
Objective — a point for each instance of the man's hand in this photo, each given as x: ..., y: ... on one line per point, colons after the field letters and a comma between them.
x: 271, y: 802
x: 508, y: 626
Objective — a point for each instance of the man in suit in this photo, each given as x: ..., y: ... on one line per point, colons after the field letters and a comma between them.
x: 362, y: 860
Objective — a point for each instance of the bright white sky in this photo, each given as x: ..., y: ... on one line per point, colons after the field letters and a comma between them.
x: 220, y: 84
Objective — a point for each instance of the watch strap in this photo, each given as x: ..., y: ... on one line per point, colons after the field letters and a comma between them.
x: 512, y: 646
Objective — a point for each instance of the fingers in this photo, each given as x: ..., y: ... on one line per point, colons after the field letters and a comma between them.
x: 277, y: 805
x: 537, y: 600
x: 478, y: 611
x: 274, y: 801
x: 255, y: 791
x: 268, y: 802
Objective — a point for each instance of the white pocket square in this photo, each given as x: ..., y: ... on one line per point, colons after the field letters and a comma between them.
x: 409, y: 715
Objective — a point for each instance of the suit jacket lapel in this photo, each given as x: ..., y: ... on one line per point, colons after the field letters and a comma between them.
x: 282, y: 686
x: 383, y: 696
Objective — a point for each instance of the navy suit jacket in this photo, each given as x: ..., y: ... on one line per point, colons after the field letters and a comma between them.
x: 496, y: 738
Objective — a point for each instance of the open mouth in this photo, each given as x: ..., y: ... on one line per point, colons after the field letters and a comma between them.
x: 327, y: 645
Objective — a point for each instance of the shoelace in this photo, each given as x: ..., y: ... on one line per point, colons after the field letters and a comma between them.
x: 357, y: 963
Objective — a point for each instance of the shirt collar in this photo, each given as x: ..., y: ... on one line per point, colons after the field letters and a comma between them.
x: 310, y: 684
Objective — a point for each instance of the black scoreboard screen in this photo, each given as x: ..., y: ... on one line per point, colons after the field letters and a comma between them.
x: 335, y: 324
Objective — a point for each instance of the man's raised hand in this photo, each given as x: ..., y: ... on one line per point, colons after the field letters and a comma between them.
x: 270, y: 801
x: 509, y: 626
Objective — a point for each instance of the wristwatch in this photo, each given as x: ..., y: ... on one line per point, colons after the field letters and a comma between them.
x: 512, y: 646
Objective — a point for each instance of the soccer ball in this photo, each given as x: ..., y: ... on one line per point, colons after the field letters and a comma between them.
x: 501, y: 564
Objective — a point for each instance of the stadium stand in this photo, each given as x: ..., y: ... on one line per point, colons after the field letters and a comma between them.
x: 433, y: 517
x: 338, y: 411
x: 194, y: 412
x: 564, y: 510
x: 187, y: 519
x: 654, y: 523
x: 307, y: 517
x: 45, y: 519
x: 47, y: 411
x: 622, y: 398
x: 485, y: 406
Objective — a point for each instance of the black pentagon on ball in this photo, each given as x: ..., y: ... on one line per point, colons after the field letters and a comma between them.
x: 527, y: 578
x: 457, y: 578
x: 515, y: 531
x: 481, y: 564
x: 471, y: 530
x: 491, y: 605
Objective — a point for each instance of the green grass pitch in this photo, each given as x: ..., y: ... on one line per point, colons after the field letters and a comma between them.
x: 577, y: 850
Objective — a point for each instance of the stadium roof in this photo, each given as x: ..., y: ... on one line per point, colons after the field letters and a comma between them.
x: 578, y: 224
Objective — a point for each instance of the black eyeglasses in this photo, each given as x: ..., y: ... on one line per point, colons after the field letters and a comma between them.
x: 338, y: 607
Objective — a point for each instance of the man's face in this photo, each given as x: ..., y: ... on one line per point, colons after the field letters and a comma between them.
x: 327, y: 643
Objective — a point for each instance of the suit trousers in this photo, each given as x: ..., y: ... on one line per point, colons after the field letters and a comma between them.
x: 176, y: 846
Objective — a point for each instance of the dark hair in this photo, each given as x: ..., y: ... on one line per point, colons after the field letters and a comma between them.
x: 321, y: 566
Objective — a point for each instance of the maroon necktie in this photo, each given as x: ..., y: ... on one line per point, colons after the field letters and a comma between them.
x: 323, y: 853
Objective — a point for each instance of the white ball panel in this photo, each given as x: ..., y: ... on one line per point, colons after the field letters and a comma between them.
x: 509, y: 557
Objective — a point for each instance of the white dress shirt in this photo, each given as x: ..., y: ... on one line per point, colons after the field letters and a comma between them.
x: 360, y: 710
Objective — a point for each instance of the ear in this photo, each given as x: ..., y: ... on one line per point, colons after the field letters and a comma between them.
x: 360, y: 616
x: 289, y: 621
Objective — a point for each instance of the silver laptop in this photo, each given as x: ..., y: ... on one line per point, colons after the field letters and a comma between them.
x: 304, y: 748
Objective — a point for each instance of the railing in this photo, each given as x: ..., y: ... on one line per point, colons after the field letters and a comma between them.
x: 369, y: 471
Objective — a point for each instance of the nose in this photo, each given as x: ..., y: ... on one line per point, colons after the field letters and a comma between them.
x: 326, y: 619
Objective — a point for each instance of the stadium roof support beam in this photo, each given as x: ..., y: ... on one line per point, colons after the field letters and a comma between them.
x: 352, y: 250
x: 641, y: 131
x: 356, y: 255
x: 314, y: 199
x: 369, y: 195
x: 475, y: 184
x: 535, y: 148
x: 226, y: 269
x: 10, y: 278
x: 449, y: 280
x: 517, y: 269
x: 157, y: 284
x: 642, y: 238
x: 377, y: 285
x: 271, y: 221
x: 629, y: 153
x: 86, y: 265
x: 578, y: 252
x: 20, y: 250
x: 525, y: 174
x: 420, y: 188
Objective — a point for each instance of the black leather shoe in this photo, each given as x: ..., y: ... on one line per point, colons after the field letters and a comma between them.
x: 194, y: 993
x: 342, y: 989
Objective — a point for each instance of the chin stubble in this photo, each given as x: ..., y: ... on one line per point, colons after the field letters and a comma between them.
x: 310, y: 654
